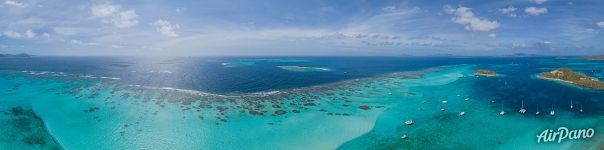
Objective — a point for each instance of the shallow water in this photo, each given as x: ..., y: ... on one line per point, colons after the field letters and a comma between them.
x: 351, y: 110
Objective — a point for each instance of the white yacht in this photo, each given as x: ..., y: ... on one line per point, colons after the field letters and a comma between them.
x: 522, y: 110
x: 552, y: 112
x: 502, y: 111
x: 462, y: 113
x: 409, y: 122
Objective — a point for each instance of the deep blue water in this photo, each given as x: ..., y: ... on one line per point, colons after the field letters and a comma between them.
x: 208, y: 74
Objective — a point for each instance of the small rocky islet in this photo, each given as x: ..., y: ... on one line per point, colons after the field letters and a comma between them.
x: 484, y: 72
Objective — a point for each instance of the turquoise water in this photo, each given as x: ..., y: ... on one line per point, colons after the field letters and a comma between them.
x: 359, y: 113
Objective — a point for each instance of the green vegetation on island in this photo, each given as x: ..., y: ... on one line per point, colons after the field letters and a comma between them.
x: 484, y: 72
x: 568, y: 76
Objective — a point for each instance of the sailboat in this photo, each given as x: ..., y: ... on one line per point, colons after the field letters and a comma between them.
x: 537, y: 113
x: 522, y: 110
x: 571, y: 104
x: 502, y: 111
x: 442, y: 106
x: 552, y: 112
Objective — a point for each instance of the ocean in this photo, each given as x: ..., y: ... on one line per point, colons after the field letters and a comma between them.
x: 293, y: 103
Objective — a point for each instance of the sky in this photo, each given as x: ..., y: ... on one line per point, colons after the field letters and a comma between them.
x: 301, y: 27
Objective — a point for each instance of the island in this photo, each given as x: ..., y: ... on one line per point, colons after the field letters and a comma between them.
x: 305, y: 68
x: 523, y: 55
x: 485, y: 72
x: 22, y: 55
x: 566, y: 75
x: 600, y: 57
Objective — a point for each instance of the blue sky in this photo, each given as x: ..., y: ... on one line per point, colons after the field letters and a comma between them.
x: 304, y: 27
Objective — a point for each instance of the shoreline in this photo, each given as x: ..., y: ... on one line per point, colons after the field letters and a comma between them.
x: 52, y: 136
x: 486, y: 75
x: 567, y: 83
x: 560, y: 80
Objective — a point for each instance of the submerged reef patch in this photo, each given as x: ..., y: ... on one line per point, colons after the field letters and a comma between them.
x: 25, y: 128
x: 219, y: 108
x: 305, y: 68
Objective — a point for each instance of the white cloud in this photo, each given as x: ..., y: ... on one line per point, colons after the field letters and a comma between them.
x: 464, y: 16
x: 30, y: 34
x: 125, y: 19
x: 600, y: 24
x: 104, y: 10
x: 389, y: 8
x: 14, y: 3
x: 492, y: 35
x: 510, y: 11
x: 539, y: 1
x: 116, y: 46
x: 79, y: 42
x: 12, y: 34
x: 166, y: 28
x: 389, y: 18
x: 111, y: 13
x: 535, y: 11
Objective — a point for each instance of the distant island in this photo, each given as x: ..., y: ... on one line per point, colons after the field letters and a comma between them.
x: 523, y: 55
x: 568, y: 76
x: 485, y: 72
x: 16, y: 55
x: 600, y: 57
x: 441, y: 55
